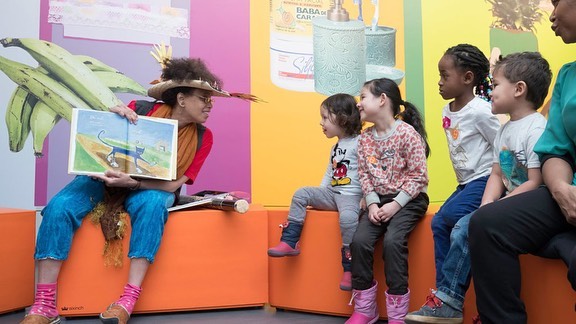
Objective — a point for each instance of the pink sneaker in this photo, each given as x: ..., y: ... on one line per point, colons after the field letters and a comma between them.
x: 346, y: 281
x: 283, y: 249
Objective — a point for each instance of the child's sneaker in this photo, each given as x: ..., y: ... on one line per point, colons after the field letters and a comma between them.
x: 435, y: 311
x: 283, y: 249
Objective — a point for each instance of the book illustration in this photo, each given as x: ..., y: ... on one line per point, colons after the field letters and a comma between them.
x: 230, y: 201
x: 103, y: 141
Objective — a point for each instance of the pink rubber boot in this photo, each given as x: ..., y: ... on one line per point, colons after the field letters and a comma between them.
x: 365, y: 308
x: 397, y: 307
x: 289, y: 242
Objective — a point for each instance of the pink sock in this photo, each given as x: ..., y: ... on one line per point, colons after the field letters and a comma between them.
x: 129, y: 297
x: 45, y: 301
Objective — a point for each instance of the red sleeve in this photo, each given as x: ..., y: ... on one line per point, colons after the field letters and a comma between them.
x: 201, y: 155
x: 132, y: 105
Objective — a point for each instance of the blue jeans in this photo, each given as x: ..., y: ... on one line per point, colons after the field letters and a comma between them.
x: 462, y: 202
x: 64, y: 214
x: 456, y: 268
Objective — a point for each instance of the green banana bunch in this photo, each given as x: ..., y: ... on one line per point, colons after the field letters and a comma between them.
x: 42, y: 120
x: 115, y: 81
x: 118, y: 82
x: 18, y: 115
x: 95, y: 64
x: 69, y: 69
x: 45, y: 88
x: 48, y: 92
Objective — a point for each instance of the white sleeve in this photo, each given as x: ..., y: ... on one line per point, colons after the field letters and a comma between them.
x: 534, y: 133
x: 488, y: 125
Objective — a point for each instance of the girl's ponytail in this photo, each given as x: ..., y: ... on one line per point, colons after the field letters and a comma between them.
x: 412, y: 116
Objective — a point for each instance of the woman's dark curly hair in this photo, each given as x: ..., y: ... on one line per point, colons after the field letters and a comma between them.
x: 347, y: 115
x: 181, y: 69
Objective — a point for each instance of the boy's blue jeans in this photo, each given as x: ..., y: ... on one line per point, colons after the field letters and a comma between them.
x: 64, y: 214
x: 465, y: 200
x: 456, y: 267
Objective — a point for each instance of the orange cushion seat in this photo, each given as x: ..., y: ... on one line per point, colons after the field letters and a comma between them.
x: 17, y: 236
x: 309, y: 282
x: 207, y: 259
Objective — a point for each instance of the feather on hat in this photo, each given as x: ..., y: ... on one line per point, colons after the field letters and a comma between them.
x: 163, y: 54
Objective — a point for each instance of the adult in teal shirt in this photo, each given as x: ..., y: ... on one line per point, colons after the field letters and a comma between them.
x: 540, y: 220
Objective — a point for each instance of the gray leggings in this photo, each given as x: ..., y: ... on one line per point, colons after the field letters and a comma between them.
x: 348, y: 206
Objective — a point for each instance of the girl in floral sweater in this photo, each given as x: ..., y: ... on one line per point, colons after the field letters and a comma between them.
x: 393, y: 174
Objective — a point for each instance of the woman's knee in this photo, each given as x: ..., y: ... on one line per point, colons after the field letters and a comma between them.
x: 65, y: 210
x: 486, y: 218
x: 148, y: 204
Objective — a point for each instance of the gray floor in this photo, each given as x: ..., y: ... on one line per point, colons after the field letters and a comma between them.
x: 258, y: 315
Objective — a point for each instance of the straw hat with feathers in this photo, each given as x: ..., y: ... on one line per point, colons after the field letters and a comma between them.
x: 163, y: 54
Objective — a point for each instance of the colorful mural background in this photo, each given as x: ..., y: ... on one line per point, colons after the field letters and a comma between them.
x: 270, y: 149
x: 222, y: 41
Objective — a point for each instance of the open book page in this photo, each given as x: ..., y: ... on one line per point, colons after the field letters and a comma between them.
x: 101, y: 141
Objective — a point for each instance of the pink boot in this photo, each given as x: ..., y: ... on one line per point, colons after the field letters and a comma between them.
x: 397, y: 307
x: 289, y: 242
x: 365, y: 308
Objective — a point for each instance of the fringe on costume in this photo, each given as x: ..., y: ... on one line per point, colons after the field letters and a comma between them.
x: 113, y: 220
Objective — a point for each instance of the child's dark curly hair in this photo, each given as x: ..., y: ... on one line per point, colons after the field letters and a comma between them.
x: 182, y: 69
x: 347, y: 115
x: 469, y: 57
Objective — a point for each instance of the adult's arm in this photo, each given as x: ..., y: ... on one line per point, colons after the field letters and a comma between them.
x: 557, y: 174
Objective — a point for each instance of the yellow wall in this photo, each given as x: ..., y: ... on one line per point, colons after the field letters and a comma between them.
x: 288, y: 149
x: 448, y: 23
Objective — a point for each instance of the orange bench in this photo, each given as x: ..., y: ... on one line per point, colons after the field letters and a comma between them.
x: 17, y: 236
x: 309, y: 282
x: 212, y: 259
x: 208, y: 259
x: 546, y: 291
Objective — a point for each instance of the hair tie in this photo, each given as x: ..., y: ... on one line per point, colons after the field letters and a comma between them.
x: 484, y: 89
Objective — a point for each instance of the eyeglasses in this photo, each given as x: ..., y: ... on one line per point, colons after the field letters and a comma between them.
x: 207, y: 100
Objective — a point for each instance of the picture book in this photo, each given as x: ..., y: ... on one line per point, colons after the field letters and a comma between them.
x: 101, y: 140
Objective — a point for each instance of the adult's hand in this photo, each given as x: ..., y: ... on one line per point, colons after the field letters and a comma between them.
x: 125, y: 112
x: 116, y: 179
x: 565, y: 196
